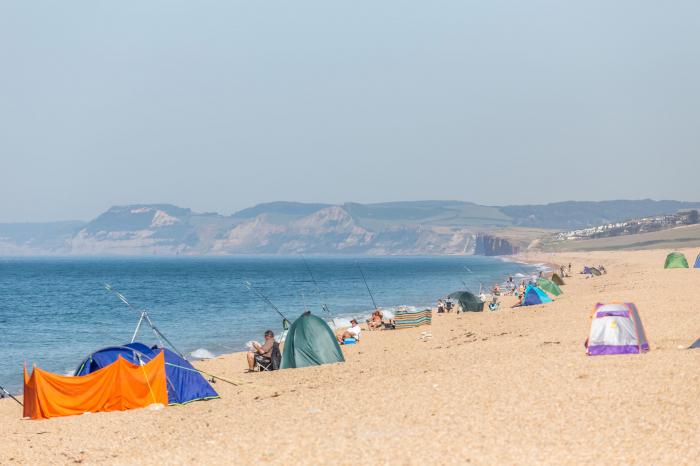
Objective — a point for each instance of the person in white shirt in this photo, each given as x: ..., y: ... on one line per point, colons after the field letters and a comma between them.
x: 352, y: 332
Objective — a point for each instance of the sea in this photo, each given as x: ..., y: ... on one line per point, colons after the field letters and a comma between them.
x: 56, y: 311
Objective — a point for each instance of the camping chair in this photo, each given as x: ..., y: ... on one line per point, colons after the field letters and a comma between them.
x: 269, y: 364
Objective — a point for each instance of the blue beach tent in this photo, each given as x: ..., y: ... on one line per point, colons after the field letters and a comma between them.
x: 184, y: 383
x: 697, y: 262
x: 534, y: 295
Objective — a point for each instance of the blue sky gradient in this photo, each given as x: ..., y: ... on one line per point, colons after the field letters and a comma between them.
x: 220, y: 105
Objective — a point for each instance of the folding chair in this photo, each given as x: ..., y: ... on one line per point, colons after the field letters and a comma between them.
x: 269, y: 364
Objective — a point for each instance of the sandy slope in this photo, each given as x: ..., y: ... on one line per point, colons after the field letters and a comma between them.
x: 512, y: 386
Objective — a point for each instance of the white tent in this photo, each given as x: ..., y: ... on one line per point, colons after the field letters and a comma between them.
x: 616, y: 329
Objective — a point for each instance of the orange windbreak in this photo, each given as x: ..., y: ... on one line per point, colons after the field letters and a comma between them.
x: 119, y: 386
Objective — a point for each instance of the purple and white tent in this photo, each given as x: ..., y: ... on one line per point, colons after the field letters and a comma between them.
x: 616, y: 329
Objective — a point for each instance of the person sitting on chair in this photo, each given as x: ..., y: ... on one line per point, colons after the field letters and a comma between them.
x: 375, y: 321
x: 352, y: 332
x: 262, y: 354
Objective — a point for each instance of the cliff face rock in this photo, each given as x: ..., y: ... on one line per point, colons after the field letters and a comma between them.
x: 159, y: 229
x: 167, y: 230
x: 488, y: 245
x: 429, y: 227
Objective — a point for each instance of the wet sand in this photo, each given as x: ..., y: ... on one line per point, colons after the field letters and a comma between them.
x: 506, y: 387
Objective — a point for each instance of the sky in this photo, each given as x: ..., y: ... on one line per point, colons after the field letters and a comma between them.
x: 220, y: 105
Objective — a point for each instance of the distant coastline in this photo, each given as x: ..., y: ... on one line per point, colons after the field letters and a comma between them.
x: 289, y: 228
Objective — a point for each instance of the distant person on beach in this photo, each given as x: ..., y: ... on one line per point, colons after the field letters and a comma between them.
x: 440, y: 306
x: 262, y: 354
x: 375, y: 321
x: 569, y: 267
x: 562, y: 270
x: 449, y: 304
x: 352, y: 332
x: 496, y: 290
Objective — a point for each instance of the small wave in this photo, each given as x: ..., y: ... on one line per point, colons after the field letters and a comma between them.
x: 202, y: 353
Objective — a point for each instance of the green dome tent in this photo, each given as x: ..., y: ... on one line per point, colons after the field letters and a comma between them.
x: 310, y: 342
x: 595, y: 272
x: 467, y: 301
x: 557, y: 279
x: 549, y: 286
x: 676, y: 260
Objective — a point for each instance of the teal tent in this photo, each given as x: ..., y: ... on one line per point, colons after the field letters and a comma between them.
x: 549, y: 286
x: 534, y: 295
x: 310, y: 342
x: 467, y: 301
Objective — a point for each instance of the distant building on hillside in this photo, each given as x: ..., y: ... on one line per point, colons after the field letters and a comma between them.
x: 631, y: 227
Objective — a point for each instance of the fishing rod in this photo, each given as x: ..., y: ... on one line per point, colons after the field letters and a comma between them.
x: 249, y: 286
x: 324, y: 306
x: 205, y: 373
x: 366, y: 285
x: 144, y: 317
x: 139, y: 355
x: 303, y: 301
x: 2, y: 389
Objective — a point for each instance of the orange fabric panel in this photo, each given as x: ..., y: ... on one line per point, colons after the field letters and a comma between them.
x: 119, y: 386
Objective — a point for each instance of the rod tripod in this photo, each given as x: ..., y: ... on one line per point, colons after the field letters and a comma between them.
x: 145, y: 318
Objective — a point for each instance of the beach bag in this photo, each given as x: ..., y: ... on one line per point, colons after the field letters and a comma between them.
x: 276, y: 357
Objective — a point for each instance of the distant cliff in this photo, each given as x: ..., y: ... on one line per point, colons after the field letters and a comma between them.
x: 394, y: 228
x: 488, y: 245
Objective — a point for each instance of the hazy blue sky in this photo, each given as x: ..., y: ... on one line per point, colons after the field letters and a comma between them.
x: 220, y: 105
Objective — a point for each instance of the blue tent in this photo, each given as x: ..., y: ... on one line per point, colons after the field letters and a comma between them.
x: 534, y: 295
x: 697, y: 262
x: 185, y: 384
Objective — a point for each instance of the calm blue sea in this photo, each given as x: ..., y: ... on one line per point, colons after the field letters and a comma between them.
x: 55, y: 311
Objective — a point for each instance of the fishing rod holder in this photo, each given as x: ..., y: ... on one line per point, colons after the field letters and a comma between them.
x: 144, y: 317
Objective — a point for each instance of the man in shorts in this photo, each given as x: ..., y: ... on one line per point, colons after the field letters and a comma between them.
x: 262, y: 354
x: 352, y: 332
